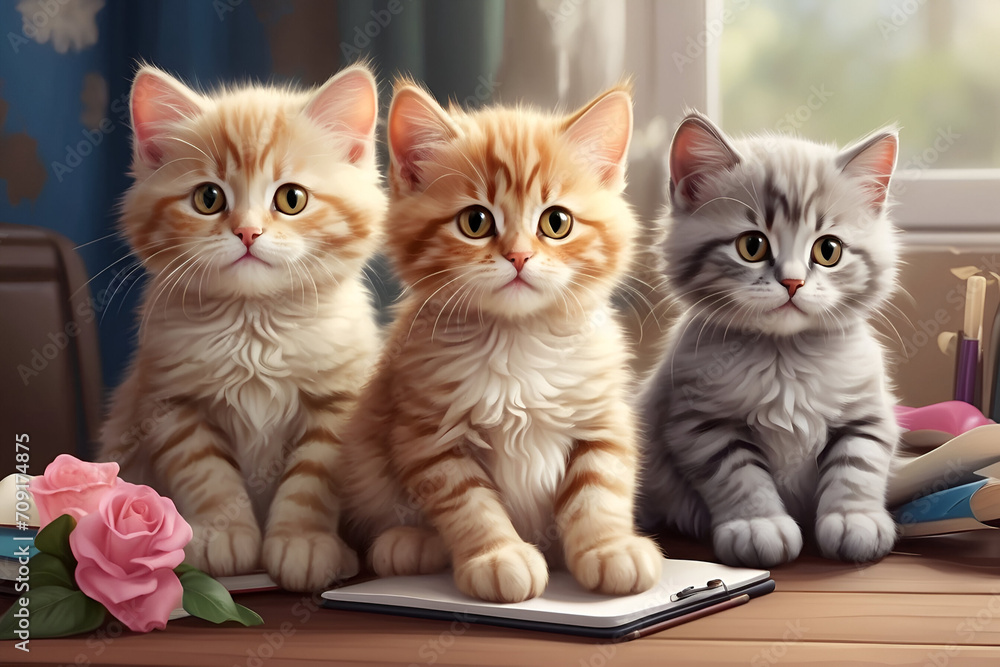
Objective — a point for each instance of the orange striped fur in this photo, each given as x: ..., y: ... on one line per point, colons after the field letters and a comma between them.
x: 496, y: 433
x: 250, y: 355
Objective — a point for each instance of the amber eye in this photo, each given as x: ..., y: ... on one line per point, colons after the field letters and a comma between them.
x: 753, y: 246
x: 209, y: 199
x: 827, y: 250
x: 476, y: 222
x: 290, y: 199
x: 556, y: 222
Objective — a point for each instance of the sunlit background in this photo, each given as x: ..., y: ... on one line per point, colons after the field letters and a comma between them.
x: 827, y: 70
x: 837, y: 70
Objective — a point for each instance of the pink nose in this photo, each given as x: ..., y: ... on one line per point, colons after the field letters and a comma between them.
x: 518, y: 259
x: 248, y: 234
x: 792, y: 285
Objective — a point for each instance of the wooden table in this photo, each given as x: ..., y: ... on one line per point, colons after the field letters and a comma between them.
x: 931, y: 603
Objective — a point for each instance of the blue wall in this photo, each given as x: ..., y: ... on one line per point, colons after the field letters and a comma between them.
x: 76, y: 175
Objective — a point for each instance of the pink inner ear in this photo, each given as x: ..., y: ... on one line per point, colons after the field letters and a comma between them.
x: 406, y: 165
x: 416, y: 123
x: 876, y: 162
x: 884, y: 173
x: 157, y: 100
x: 684, y: 174
x: 696, y: 151
x: 602, y: 134
x: 348, y: 106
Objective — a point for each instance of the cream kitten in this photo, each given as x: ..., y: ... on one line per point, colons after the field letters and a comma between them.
x: 254, y: 211
x: 497, y: 428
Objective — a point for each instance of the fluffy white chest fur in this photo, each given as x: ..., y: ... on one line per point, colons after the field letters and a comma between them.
x: 246, y: 364
x: 524, y: 394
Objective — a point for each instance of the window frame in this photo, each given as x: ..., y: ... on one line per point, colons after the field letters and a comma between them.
x: 957, y: 208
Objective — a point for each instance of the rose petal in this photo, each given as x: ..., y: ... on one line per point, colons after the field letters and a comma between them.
x: 141, y: 510
x: 138, y: 515
x: 68, y: 472
x: 165, y: 559
x: 132, y: 523
x: 127, y: 549
x: 152, y: 611
x: 71, y: 486
x: 89, y: 543
x: 175, y: 533
x: 107, y: 589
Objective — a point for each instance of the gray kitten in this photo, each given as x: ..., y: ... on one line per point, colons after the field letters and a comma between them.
x: 772, y: 408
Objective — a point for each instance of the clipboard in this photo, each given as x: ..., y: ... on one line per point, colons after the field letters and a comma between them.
x: 686, y: 591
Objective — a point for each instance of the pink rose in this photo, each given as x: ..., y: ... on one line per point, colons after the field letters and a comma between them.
x: 126, y: 552
x: 71, y: 486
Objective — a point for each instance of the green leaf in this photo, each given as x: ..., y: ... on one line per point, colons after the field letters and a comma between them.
x: 185, y: 567
x: 53, y: 611
x: 206, y: 598
x: 248, y: 617
x: 54, y: 540
x: 47, y: 570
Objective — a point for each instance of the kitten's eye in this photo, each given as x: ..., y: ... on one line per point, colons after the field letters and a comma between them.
x: 753, y: 247
x: 827, y: 251
x: 556, y: 222
x: 290, y: 199
x: 475, y: 222
x: 209, y: 199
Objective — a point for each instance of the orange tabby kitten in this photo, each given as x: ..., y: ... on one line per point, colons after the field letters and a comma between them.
x: 254, y: 211
x: 497, y: 427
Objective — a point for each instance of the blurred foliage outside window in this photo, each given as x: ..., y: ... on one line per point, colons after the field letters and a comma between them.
x: 834, y: 71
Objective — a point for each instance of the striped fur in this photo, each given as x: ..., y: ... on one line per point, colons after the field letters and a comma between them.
x: 497, y: 433
x: 772, y: 408
x: 246, y: 370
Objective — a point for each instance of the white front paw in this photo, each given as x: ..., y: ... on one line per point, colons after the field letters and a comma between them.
x: 856, y: 536
x: 626, y: 565
x: 308, y: 560
x: 757, y: 542
x: 512, y: 572
x: 408, y: 550
x: 223, y: 553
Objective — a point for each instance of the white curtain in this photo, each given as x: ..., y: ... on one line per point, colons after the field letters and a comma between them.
x: 561, y: 53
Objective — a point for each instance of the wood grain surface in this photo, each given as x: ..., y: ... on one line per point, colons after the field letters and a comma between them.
x: 932, y: 603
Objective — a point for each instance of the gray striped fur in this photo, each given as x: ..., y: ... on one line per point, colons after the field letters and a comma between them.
x: 761, y: 424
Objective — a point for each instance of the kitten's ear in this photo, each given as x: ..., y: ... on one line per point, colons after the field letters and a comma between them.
x: 417, y: 124
x: 347, y: 105
x: 699, y: 149
x: 157, y: 100
x: 602, y: 131
x: 872, y: 160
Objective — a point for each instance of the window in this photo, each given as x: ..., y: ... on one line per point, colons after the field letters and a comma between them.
x: 835, y: 71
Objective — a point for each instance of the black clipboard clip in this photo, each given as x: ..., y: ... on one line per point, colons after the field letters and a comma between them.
x: 691, y: 591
